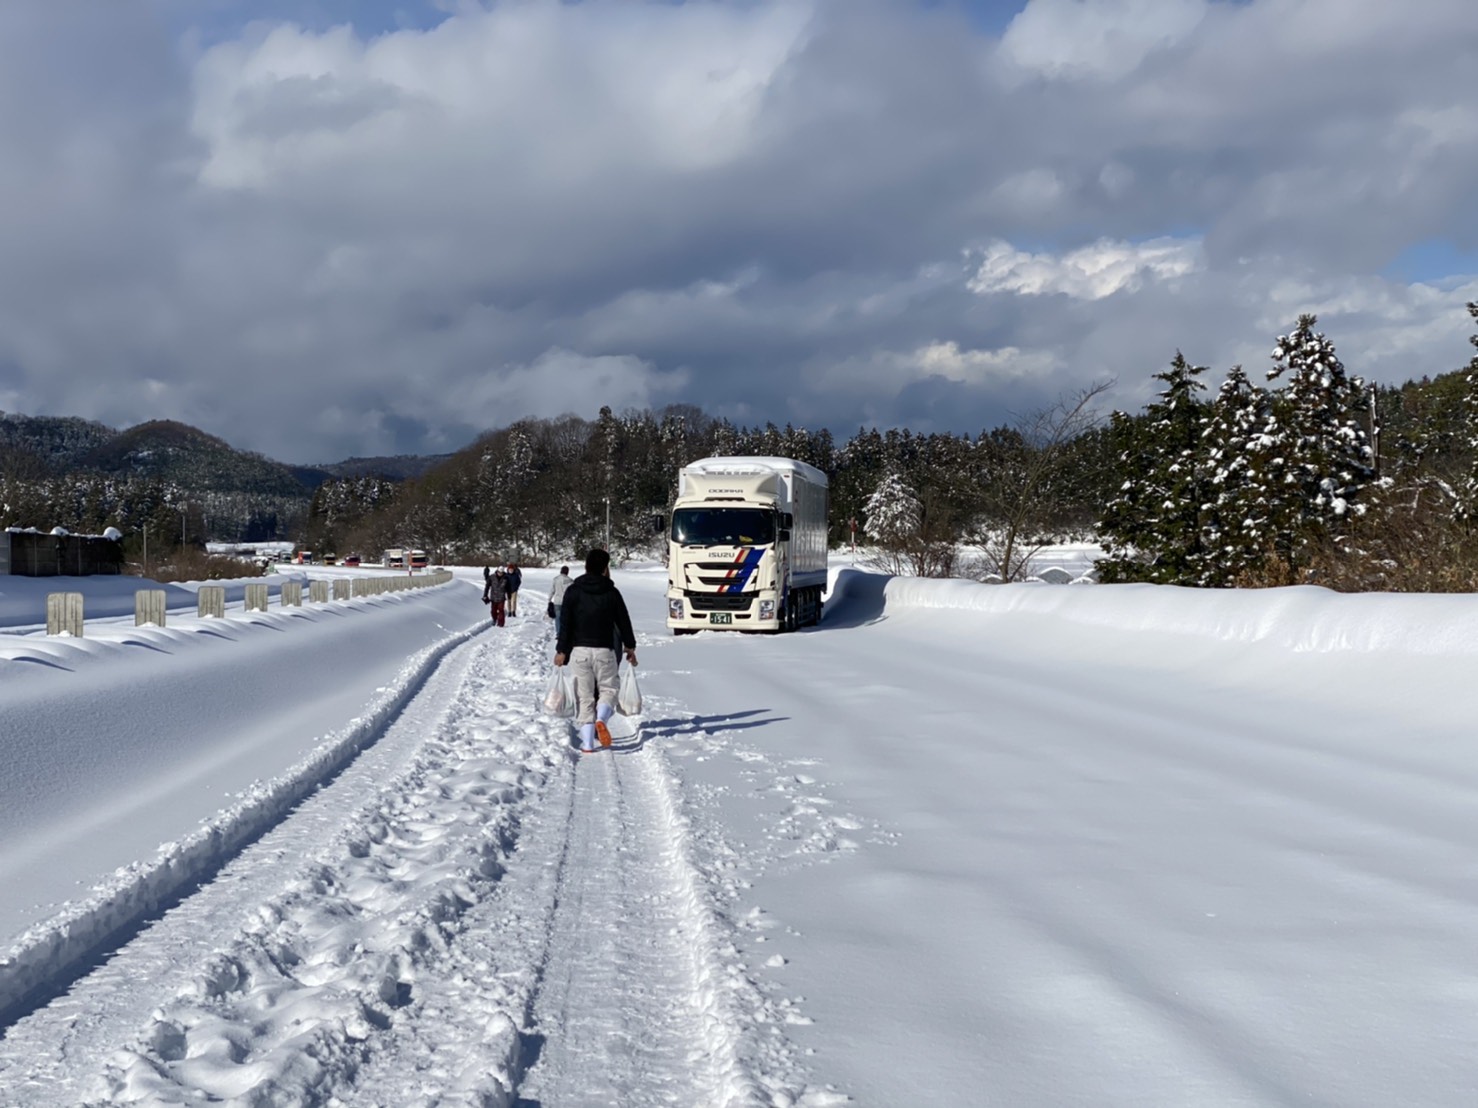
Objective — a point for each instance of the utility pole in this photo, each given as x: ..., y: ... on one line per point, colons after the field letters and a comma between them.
x: 146, y: 550
x: 608, y: 525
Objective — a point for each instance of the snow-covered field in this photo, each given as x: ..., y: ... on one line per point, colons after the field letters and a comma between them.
x: 959, y: 845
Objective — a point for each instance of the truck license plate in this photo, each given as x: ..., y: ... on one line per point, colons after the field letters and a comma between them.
x: 720, y: 617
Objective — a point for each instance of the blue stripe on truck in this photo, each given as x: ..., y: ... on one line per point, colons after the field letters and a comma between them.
x: 747, y: 562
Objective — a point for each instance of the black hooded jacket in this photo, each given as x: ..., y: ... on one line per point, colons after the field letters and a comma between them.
x: 593, y: 614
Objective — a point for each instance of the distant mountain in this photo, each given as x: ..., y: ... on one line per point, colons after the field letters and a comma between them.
x: 54, y: 443
x: 182, y: 455
x: 399, y: 467
x: 93, y: 474
x: 176, y: 453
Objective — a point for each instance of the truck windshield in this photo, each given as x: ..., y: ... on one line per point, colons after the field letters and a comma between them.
x: 723, y: 526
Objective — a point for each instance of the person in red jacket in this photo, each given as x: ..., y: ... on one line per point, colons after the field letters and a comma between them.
x: 593, y: 624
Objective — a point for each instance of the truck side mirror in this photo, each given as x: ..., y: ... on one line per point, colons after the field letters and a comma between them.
x: 659, y: 524
x: 787, y: 520
x: 785, y: 534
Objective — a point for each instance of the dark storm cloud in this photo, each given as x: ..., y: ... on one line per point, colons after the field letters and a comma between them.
x: 329, y: 240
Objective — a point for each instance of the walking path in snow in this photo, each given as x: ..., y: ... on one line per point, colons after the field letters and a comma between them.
x: 471, y: 913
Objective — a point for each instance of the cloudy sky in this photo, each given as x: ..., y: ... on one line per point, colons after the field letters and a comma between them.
x: 326, y: 228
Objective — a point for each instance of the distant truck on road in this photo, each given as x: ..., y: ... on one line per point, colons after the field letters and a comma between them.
x: 395, y: 558
x: 747, y: 545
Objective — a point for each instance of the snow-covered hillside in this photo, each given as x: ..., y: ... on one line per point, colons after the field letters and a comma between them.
x: 961, y: 844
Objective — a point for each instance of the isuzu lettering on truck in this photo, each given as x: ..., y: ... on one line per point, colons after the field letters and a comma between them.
x: 747, y: 548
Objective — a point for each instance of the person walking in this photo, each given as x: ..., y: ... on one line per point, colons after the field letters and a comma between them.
x: 495, y: 595
x: 514, y: 577
x: 557, y: 597
x: 593, y: 617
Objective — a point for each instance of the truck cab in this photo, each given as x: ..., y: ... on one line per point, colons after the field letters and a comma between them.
x: 747, y: 546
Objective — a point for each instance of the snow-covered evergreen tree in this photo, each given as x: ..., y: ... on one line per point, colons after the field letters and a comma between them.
x: 891, y: 518
x: 1465, y: 510
x: 1152, y: 528
x: 1241, y: 441
x: 1328, y: 464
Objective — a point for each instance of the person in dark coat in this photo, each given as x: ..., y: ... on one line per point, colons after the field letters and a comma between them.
x: 495, y: 595
x: 514, y: 577
x: 592, y: 618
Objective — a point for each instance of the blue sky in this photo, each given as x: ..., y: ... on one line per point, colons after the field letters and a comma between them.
x: 833, y: 213
x: 216, y: 20
x: 1435, y: 261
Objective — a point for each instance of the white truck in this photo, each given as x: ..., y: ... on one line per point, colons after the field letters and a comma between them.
x: 747, y: 545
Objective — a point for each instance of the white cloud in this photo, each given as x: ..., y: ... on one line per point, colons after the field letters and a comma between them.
x: 1091, y: 273
x: 882, y: 373
x: 322, y: 244
x: 551, y: 91
x: 562, y: 381
x: 1096, y: 38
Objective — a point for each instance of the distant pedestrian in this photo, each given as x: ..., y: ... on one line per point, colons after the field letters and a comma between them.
x: 495, y: 595
x: 557, y: 597
x: 514, y: 577
x: 594, y: 616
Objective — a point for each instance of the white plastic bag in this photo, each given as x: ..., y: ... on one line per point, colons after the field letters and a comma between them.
x: 559, y: 700
x: 628, y: 696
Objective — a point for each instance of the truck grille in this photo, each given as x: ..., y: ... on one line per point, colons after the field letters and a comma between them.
x: 716, y: 602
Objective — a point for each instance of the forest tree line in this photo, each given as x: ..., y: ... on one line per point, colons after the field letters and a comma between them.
x: 1301, y: 473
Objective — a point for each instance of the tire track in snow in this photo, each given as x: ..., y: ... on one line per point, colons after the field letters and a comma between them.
x: 42, y: 960
x: 485, y: 922
x: 265, y: 985
x: 634, y: 1005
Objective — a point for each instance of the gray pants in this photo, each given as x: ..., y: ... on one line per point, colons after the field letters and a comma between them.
x: 594, y: 670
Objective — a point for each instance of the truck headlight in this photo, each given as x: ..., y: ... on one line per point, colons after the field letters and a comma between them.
x: 767, y: 609
x: 675, y: 607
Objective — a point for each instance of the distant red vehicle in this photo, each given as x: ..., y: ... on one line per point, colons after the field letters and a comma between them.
x: 352, y: 560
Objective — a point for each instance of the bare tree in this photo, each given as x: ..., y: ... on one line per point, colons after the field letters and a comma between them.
x: 1023, y: 484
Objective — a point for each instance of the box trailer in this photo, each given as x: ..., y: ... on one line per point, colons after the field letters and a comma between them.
x: 747, y: 545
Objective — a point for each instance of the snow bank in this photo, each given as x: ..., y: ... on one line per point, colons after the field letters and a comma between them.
x: 1303, y: 618
x: 44, y: 952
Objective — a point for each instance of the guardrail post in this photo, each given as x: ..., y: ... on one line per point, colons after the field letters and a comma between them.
x: 292, y: 594
x: 345, y: 588
x: 210, y: 601
x: 256, y: 597
x: 148, y: 607
x: 318, y: 591
x: 64, y: 614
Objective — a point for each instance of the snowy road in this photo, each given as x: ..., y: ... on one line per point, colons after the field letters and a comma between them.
x: 959, y: 845
x: 469, y: 914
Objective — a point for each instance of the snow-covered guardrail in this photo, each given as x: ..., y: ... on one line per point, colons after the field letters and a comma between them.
x: 64, y: 612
